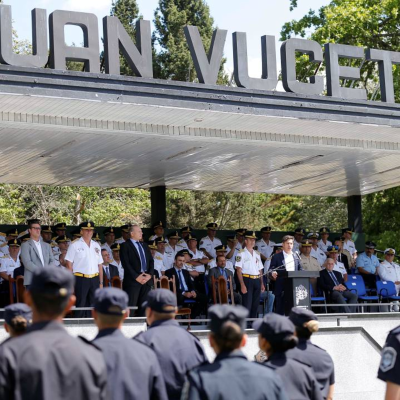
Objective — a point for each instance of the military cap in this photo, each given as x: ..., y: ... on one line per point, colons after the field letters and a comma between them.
x: 115, y: 247
x: 212, y: 226
x: 342, y: 238
x: 173, y: 235
x: 110, y: 301
x: 313, y: 235
x: 332, y: 249
x: 125, y: 228
x: 220, y: 248
x: 12, y: 232
x: 17, y: 310
x: 87, y: 225
x: 231, y: 237
x: 338, y: 239
x: 277, y: 246
x: 182, y: 252
x: 152, y: 244
x: 25, y: 237
x: 370, y: 245
x: 241, y: 231
x: 390, y: 251
x: 161, y: 301
x: 186, y: 229
x: 347, y: 230
x: 54, y: 281
x: 274, y: 327
x: 191, y: 237
x: 250, y: 235
x: 161, y: 239
x: 96, y: 238
x: 158, y: 224
x: 300, y: 316
x: 62, y: 239
x: 324, y: 229
x: 221, y: 313
x: 300, y: 231
x: 47, y: 229
x: 306, y: 243
x: 76, y: 232
x: 60, y: 226
x: 109, y: 230
x: 266, y: 229
x: 14, y: 243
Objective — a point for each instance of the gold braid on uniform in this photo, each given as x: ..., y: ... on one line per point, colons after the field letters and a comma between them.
x: 312, y: 326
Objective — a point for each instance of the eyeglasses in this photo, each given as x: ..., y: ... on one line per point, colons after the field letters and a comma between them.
x: 36, y: 228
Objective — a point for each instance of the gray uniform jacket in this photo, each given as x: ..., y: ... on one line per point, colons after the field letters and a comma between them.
x: 47, y: 363
x: 31, y: 260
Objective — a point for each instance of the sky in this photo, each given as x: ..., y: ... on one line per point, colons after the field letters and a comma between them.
x: 255, y: 17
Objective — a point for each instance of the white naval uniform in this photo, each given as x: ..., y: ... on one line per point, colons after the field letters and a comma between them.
x: 182, y: 244
x: 250, y: 264
x: 229, y: 265
x: 324, y: 246
x: 350, y: 247
x: 8, y: 265
x: 390, y: 272
x: 84, y: 259
x: 198, y: 256
x: 120, y: 268
x: 319, y: 255
x: 159, y: 262
x: 339, y: 267
x: 105, y: 246
x: 265, y: 248
x: 296, y: 246
x: 169, y: 255
x: 4, y: 248
x: 233, y: 258
x: 209, y: 245
x: 120, y: 240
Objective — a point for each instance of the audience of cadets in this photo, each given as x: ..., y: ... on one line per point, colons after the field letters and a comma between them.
x: 308, y: 262
x: 116, y: 260
x: 109, y: 270
x: 84, y: 259
x: 177, y: 350
x: 109, y: 236
x: 306, y: 323
x: 17, y: 319
x: 171, y: 248
x: 324, y: 243
x: 124, y: 234
x: 186, y: 231
x: 389, y: 368
x: 333, y: 253
x: 133, y: 370
x: 282, y: 263
x: 158, y: 230
x: 349, y: 245
x: 249, y: 269
x: 185, y: 289
x: 265, y: 246
x: 389, y: 270
x: 221, y: 251
x: 210, y: 242
x: 220, y: 270
x: 231, y: 375
x: 41, y: 364
x: 343, y: 255
x: 60, y: 251
x: 332, y: 283
x: 367, y: 264
x: 316, y: 252
x: 276, y: 337
x: 10, y: 234
x: 298, y: 237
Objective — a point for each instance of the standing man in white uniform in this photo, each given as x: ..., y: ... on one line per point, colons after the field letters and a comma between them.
x: 210, y: 242
x: 265, y: 246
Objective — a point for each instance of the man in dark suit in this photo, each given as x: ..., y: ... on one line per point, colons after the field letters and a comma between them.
x: 333, y: 285
x: 220, y: 270
x: 281, y: 264
x: 138, y: 267
x: 109, y: 270
x: 184, y: 285
x: 341, y: 256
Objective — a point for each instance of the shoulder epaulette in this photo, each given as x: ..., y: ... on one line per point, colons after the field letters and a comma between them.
x: 241, y: 251
x: 315, y: 258
x: 3, y: 234
x: 75, y: 240
x: 3, y: 244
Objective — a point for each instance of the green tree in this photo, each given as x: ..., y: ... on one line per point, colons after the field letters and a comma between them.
x: 172, y: 59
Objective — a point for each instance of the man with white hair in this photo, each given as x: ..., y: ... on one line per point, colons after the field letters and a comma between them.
x: 389, y: 270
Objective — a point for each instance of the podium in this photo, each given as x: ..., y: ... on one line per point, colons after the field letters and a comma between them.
x: 297, y: 289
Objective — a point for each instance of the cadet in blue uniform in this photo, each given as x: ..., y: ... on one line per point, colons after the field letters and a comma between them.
x: 276, y: 337
x: 17, y: 318
x: 133, y: 369
x: 231, y: 375
x: 47, y: 363
x: 389, y: 368
x: 178, y: 351
x: 306, y: 322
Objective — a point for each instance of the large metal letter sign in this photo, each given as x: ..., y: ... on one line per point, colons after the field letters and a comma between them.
x: 385, y: 60
x: 139, y: 57
x: 39, y: 40
x: 288, y: 60
x: 207, y: 67
x: 334, y: 72
x: 60, y: 52
x: 269, y: 78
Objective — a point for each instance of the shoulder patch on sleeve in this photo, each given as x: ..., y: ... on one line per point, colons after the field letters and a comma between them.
x: 238, y: 258
x: 388, y: 360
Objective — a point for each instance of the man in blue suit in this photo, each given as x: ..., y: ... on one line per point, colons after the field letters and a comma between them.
x: 281, y: 264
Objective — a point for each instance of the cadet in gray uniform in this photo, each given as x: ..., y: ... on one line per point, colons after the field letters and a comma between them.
x: 47, y: 363
x: 178, y: 351
x: 231, y: 375
x: 133, y: 368
x: 306, y: 322
x: 276, y: 337
x: 17, y: 319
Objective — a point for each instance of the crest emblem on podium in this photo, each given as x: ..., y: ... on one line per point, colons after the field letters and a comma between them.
x: 301, y: 294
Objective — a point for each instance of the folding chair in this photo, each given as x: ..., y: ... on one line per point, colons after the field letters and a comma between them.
x: 387, y: 290
x: 355, y: 283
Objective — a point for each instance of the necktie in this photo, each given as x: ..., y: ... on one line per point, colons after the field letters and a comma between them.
x: 223, y: 273
x: 142, y: 257
x: 108, y: 276
x: 334, y: 278
x: 182, y: 281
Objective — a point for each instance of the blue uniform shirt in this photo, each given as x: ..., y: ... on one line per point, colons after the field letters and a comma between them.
x: 368, y: 263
